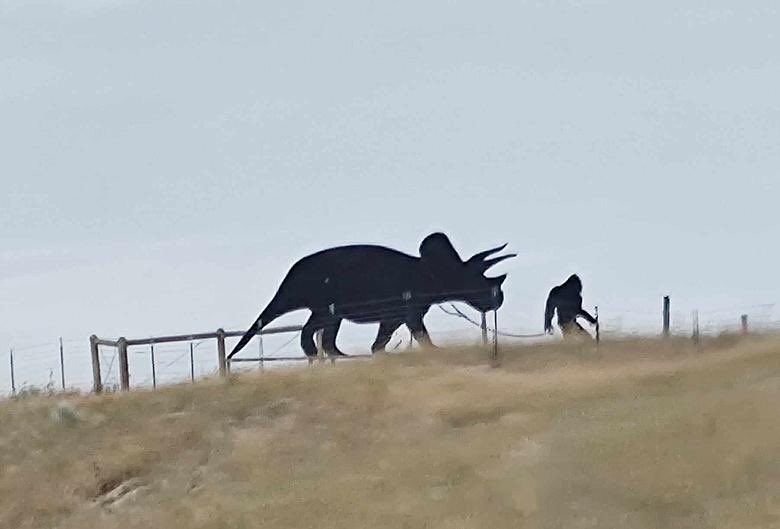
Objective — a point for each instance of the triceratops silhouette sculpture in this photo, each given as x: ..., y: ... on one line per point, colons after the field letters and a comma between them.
x: 370, y: 284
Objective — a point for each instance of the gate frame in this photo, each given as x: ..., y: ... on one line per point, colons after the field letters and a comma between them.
x: 123, y: 343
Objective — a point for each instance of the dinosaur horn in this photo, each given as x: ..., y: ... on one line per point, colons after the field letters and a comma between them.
x: 488, y: 263
x: 478, y: 257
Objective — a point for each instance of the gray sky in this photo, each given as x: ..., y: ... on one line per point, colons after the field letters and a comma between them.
x: 163, y: 163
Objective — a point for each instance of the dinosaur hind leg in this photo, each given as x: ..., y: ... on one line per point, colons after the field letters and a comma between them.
x: 312, y: 325
x: 386, y: 330
x: 420, y: 333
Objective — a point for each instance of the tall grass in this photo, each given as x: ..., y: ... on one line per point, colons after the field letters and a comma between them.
x: 636, y: 434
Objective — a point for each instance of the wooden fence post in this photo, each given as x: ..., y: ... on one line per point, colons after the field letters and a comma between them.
x: 696, y: 332
x: 62, y: 364
x: 192, y: 362
x: 97, y: 383
x: 13, y: 377
x: 667, y: 318
x: 124, y: 368
x: 744, y: 320
x: 154, y: 368
x: 221, y: 352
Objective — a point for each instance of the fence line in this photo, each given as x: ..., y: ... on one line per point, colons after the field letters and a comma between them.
x: 153, y: 365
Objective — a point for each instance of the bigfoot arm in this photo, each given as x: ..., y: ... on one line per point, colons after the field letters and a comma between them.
x: 585, y: 314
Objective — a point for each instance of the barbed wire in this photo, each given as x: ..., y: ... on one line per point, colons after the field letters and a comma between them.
x: 110, y: 365
x: 279, y: 349
x: 38, y: 357
x: 460, y: 314
x: 35, y: 346
x: 424, y: 300
x: 160, y: 369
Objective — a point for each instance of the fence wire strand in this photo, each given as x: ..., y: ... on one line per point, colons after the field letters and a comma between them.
x: 35, y: 363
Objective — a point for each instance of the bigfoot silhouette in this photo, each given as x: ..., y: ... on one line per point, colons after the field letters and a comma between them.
x: 365, y: 284
x: 567, y: 299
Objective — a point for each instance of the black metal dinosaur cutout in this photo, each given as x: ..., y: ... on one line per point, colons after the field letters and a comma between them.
x: 374, y: 284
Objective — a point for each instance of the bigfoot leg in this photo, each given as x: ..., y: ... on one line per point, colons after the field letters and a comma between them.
x: 574, y: 330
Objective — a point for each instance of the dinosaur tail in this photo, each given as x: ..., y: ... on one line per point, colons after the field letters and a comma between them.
x: 283, y: 302
x: 264, y: 319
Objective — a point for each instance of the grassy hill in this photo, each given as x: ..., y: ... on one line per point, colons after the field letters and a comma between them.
x: 637, y: 434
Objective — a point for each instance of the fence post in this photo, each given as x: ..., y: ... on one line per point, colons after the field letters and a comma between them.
x: 221, y: 352
x: 62, y: 364
x: 192, y: 363
x: 13, y: 378
x: 494, y: 358
x: 695, y: 317
x: 124, y: 369
x: 484, y: 329
x: 598, y: 327
x: 154, y: 369
x: 667, y: 318
x: 494, y: 293
x: 744, y: 319
x: 97, y: 383
x: 260, y: 351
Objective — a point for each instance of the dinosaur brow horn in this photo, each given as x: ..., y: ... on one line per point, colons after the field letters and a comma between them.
x: 488, y: 263
x: 477, y: 257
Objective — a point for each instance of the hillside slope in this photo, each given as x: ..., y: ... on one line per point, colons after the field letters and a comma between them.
x: 637, y: 434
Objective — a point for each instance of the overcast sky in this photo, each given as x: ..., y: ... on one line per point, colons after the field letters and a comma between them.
x: 163, y: 163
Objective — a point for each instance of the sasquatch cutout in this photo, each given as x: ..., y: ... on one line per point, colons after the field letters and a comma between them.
x: 567, y: 300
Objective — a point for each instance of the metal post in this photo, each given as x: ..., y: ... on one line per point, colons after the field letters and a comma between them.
x: 124, y: 369
x: 192, y: 363
x: 221, y: 352
x: 154, y: 370
x: 62, y: 364
x: 494, y: 293
x: 696, y: 333
x: 744, y: 320
x: 13, y: 378
x: 667, y: 318
x: 97, y: 383
x: 484, y: 329
x: 598, y: 327
x: 495, y: 338
x: 260, y: 351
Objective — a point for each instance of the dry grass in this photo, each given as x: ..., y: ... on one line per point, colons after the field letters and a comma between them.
x: 639, y: 434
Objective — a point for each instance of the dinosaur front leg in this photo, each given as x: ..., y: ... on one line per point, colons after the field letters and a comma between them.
x: 329, y: 334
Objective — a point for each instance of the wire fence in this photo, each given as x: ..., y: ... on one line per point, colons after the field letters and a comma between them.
x: 65, y: 364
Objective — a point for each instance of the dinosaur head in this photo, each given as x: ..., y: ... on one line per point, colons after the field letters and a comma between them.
x: 463, y: 280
